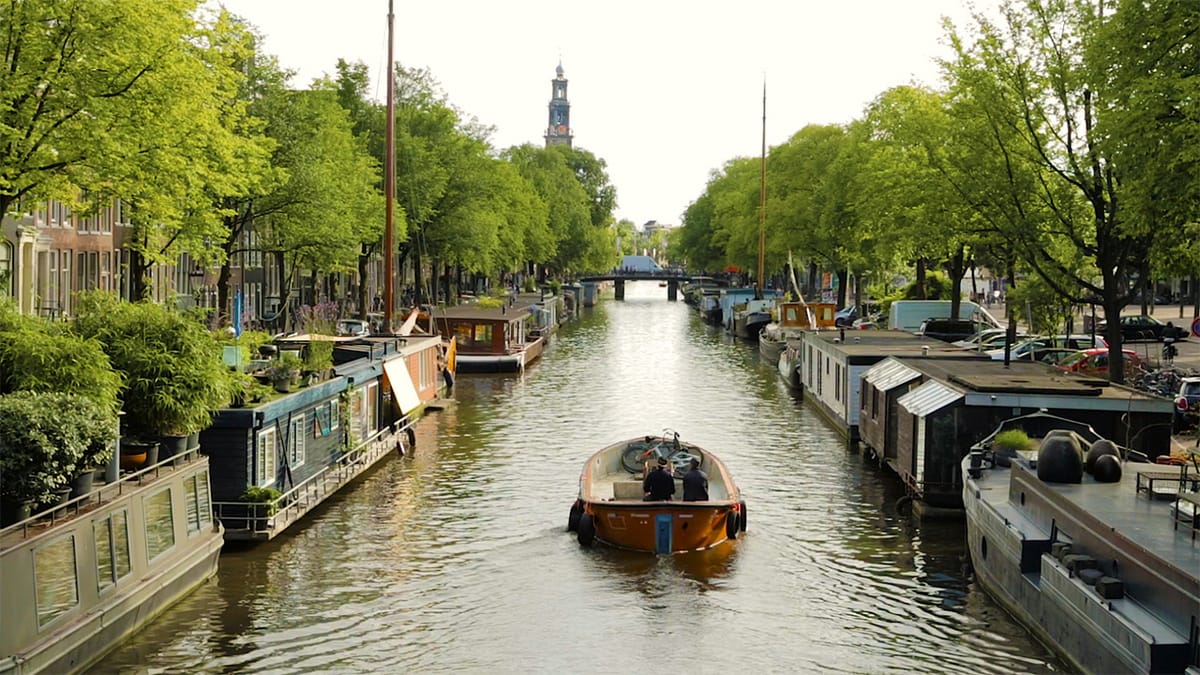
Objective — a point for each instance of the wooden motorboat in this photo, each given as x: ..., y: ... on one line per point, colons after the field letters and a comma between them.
x: 611, y: 507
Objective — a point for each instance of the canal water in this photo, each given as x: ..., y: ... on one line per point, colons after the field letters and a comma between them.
x: 456, y: 558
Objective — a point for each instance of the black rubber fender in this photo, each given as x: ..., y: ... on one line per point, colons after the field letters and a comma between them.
x: 573, y: 519
x: 904, y: 505
x: 586, y: 532
x: 742, y: 517
x: 731, y: 524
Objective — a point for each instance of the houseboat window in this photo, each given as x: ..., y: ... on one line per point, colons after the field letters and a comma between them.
x: 112, y: 548
x: 333, y: 414
x: 264, y: 467
x: 837, y: 384
x: 199, y: 508
x: 463, y: 332
x: 483, y: 333
x: 55, y: 579
x: 791, y: 315
x: 423, y: 368
x: 160, y: 523
x: 296, y: 451
x: 370, y: 410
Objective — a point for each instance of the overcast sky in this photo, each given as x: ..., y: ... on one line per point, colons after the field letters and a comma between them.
x: 664, y: 91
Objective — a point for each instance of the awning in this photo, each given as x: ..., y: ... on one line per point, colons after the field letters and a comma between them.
x: 889, y: 374
x: 395, y: 371
x: 929, y: 397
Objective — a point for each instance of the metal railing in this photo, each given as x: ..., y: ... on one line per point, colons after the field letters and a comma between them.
x: 263, y: 518
x: 46, y: 519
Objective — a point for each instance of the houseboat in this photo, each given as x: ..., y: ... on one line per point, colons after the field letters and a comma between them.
x: 791, y: 320
x: 729, y: 298
x: 832, y: 364
x: 1097, y: 556
x: 918, y: 414
x: 276, y: 460
x: 502, y: 339
x: 750, y: 317
x: 79, y: 578
x: 611, y: 509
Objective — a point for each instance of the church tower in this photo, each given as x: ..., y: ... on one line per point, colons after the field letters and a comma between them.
x: 559, y: 131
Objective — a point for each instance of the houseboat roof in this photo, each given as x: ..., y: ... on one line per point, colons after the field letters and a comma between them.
x: 472, y: 311
x: 867, y: 346
x: 1022, y: 377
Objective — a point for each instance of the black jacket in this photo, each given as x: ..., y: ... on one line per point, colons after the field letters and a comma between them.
x: 660, y: 485
x: 695, y: 486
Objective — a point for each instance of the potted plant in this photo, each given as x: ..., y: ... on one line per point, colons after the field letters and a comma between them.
x: 318, y: 359
x: 1009, y: 444
x: 262, y: 502
x: 284, y: 370
x: 174, y: 374
x: 44, y: 439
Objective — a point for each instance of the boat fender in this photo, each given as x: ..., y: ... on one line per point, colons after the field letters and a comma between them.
x: 1079, y: 561
x: 1107, y: 469
x: 586, y: 531
x: 731, y: 524
x: 1099, y: 449
x: 1059, y: 549
x: 1110, y: 588
x: 412, y: 436
x: 904, y: 504
x: 1090, y: 576
x: 742, y: 516
x: 573, y: 519
x: 1059, y: 460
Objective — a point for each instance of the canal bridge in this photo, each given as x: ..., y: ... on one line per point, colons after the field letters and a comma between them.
x: 619, y: 277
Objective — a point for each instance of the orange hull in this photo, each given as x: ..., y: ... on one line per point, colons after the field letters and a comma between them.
x: 636, y: 527
x: 611, y: 510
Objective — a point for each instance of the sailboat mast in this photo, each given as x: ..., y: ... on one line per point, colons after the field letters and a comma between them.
x: 762, y: 198
x: 389, y: 187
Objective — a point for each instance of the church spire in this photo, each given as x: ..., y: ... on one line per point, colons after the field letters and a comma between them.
x: 558, y: 132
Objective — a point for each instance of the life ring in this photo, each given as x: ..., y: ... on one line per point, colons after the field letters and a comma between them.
x: 731, y: 524
x: 742, y: 516
x: 586, y: 531
x: 573, y: 519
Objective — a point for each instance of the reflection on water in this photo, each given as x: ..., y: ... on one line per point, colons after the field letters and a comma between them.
x: 457, y: 558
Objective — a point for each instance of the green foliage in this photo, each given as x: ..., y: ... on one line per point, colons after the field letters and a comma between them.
x: 262, y: 495
x: 1012, y: 439
x: 48, y: 437
x: 172, y: 367
x: 40, y: 357
x: 937, y: 287
x: 285, y: 367
x: 1033, y: 299
x: 319, y: 356
x: 491, y: 303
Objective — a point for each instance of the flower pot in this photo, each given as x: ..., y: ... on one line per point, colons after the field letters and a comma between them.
x: 193, y: 443
x: 13, y: 511
x: 136, y: 454
x: 172, y: 446
x: 283, y: 386
x: 82, y: 484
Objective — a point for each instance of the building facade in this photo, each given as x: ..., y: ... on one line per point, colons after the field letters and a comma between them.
x: 558, y: 132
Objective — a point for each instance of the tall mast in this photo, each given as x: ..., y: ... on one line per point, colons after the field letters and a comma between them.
x: 389, y: 187
x: 762, y: 199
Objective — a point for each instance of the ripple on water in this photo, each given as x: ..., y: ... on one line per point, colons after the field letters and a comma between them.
x: 456, y: 559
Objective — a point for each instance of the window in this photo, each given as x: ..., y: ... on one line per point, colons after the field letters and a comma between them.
x: 160, y: 523
x: 296, y: 442
x: 370, y: 410
x: 483, y: 334
x: 112, y: 548
x: 333, y: 414
x: 837, y: 383
x: 6, y: 267
x: 264, y: 467
x: 199, y: 508
x: 54, y: 578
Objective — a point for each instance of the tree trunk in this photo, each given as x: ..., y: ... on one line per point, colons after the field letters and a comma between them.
x: 812, y: 280
x: 364, y: 263
x: 921, y: 290
x: 843, y: 276
x: 139, y: 276
x: 956, y: 269
x: 418, y: 282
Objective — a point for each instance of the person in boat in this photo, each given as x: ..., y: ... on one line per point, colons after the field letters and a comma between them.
x: 695, y: 483
x: 659, y: 485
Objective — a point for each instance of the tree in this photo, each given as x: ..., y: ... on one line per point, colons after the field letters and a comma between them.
x: 1025, y: 93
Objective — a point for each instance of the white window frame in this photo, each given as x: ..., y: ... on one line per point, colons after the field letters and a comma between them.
x: 264, y: 457
x: 296, y: 438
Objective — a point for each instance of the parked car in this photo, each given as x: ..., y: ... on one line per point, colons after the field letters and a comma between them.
x: 989, y: 338
x: 353, y: 327
x: 1145, y: 328
x: 845, y: 316
x: 948, y: 330
x: 1095, y: 362
x: 1187, y: 404
x: 1026, y: 349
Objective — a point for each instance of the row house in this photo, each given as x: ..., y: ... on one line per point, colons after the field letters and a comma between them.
x: 48, y: 253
